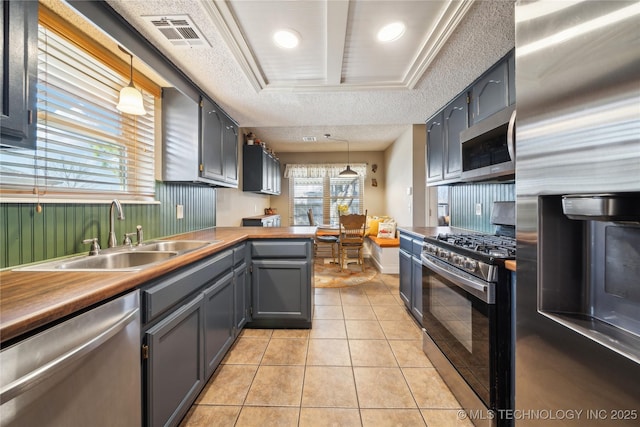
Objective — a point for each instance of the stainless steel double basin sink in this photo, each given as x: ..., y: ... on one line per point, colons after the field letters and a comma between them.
x: 123, y: 258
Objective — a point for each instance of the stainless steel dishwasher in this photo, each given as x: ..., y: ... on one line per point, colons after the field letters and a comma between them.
x: 83, y: 371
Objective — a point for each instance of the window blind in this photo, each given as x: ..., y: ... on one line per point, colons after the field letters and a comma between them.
x: 84, y: 144
x: 323, y: 195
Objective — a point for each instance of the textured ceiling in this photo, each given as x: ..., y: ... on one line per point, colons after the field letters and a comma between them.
x: 358, y: 92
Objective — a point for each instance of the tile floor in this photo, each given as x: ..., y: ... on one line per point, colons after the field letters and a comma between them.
x: 361, y: 364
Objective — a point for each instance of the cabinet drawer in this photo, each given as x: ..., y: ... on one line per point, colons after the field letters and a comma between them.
x: 239, y: 254
x: 164, y: 293
x: 416, y: 247
x: 280, y: 249
x: 406, y: 243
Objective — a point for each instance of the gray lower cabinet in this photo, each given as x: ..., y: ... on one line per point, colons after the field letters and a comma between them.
x: 175, y: 369
x: 219, y: 330
x: 411, y: 273
x: 281, y: 279
x: 188, y: 325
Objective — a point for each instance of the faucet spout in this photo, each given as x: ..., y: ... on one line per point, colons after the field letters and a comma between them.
x: 112, y: 235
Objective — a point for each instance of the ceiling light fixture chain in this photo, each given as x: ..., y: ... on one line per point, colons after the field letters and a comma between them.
x: 130, y: 101
x: 348, y: 171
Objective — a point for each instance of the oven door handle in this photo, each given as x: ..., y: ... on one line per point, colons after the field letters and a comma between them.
x: 481, y: 290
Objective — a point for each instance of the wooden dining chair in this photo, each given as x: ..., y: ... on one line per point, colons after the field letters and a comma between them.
x: 319, y: 239
x: 352, y: 229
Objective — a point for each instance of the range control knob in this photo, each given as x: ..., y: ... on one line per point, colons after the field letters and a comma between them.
x: 443, y: 253
x: 470, y: 264
x: 457, y: 260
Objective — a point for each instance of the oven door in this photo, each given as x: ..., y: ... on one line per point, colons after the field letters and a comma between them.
x: 460, y: 320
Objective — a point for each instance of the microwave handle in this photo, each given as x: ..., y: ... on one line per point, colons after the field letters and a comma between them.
x: 511, y: 136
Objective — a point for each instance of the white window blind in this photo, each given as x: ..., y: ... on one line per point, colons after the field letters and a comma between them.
x: 84, y: 144
x: 323, y: 194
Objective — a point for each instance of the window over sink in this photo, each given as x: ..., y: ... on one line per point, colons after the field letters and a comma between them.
x: 83, y: 143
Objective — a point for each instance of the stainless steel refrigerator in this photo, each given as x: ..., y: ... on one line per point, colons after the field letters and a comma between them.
x: 578, y: 213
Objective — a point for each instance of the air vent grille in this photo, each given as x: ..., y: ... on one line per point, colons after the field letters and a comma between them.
x: 180, y: 30
x: 309, y: 139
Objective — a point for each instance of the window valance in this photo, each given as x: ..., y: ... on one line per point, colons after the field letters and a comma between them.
x: 320, y: 170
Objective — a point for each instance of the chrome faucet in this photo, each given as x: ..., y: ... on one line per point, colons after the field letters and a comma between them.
x: 112, y: 235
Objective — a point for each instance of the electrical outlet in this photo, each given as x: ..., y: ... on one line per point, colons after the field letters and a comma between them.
x: 479, y: 209
x: 179, y: 211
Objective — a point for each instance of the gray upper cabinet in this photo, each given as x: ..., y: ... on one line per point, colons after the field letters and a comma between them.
x: 200, y: 142
x: 455, y: 121
x: 435, y: 149
x: 260, y: 171
x: 444, y: 158
x: 511, y: 63
x: 19, y: 48
x: 490, y: 93
x: 219, y: 146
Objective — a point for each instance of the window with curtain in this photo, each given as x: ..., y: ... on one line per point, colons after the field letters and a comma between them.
x: 322, y: 189
x: 84, y: 144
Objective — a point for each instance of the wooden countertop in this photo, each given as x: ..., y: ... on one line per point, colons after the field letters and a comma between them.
x: 30, y: 299
x: 431, y: 231
x: 511, y: 265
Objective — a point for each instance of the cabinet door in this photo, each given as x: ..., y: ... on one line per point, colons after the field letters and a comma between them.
x: 435, y: 149
x: 19, y: 48
x: 230, y: 153
x: 416, y: 288
x: 241, y: 296
x: 455, y: 120
x: 218, y: 322
x: 280, y: 289
x: 174, y: 371
x: 212, y: 166
x: 490, y: 93
x: 405, y: 278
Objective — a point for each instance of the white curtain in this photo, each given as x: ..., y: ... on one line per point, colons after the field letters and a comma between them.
x: 321, y: 170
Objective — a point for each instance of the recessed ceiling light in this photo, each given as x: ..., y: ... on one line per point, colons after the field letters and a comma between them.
x: 391, y: 32
x: 287, y: 39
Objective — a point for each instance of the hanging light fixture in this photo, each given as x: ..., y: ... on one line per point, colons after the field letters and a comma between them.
x: 130, y: 98
x: 348, y: 171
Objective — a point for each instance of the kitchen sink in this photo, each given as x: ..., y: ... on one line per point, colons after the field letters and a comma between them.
x: 116, y: 260
x: 122, y: 258
x: 173, y: 245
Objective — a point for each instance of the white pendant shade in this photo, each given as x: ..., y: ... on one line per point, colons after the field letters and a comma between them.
x: 131, y: 101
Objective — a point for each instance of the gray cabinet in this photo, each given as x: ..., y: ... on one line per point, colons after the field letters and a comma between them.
x: 435, y: 149
x: 242, y: 287
x: 260, y: 171
x: 219, y: 331
x: 455, y: 117
x: 19, y: 48
x: 262, y: 221
x: 188, y: 325
x: 444, y: 158
x: 490, y: 93
x: 200, y: 143
x: 411, y: 273
x: 281, y: 283
x: 219, y: 137
x: 175, y: 369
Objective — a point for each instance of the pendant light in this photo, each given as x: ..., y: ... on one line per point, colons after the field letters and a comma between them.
x: 130, y: 98
x: 348, y: 171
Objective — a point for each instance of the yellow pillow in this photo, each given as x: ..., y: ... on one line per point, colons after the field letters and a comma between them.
x: 373, y: 227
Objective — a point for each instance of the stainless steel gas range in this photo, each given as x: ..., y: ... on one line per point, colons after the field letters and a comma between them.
x: 467, y: 316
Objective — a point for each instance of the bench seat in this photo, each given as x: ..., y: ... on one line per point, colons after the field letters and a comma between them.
x: 384, y: 254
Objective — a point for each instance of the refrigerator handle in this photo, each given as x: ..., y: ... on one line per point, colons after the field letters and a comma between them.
x: 511, y: 136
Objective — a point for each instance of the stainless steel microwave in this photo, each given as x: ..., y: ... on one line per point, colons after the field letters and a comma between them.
x: 488, y: 148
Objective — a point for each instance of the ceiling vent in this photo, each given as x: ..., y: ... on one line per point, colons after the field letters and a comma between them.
x: 180, y: 30
x: 309, y: 139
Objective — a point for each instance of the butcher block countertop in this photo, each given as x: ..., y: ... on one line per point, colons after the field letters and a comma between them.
x: 511, y: 265
x: 30, y: 299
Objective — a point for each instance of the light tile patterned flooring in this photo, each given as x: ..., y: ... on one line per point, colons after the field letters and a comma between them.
x: 361, y: 364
